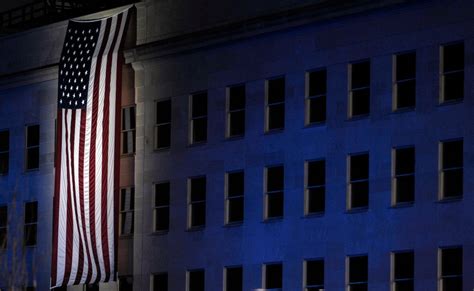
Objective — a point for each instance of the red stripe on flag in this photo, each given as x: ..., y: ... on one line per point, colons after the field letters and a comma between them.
x: 69, y: 227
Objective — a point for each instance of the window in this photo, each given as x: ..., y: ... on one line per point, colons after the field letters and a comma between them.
x: 358, y: 273
x: 358, y: 189
x: 128, y: 130
x: 403, y: 271
x: 4, y: 149
x: 450, y: 272
x: 451, y: 169
x: 275, y: 104
x: 127, y: 202
x: 163, y: 124
x: 235, y: 197
x: 236, y: 111
x: 196, y: 280
x: 405, y: 81
x: 452, y: 72
x: 89, y: 287
x: 30, y: 288
x: 125, y: 283
x: 198, y: 122
x: 273, y: 275
x: 316, y: 97
x: 31, y: 222
x: 197, y: 202
x: 233, y: 278
x: 159, y: 282
x: 3, y: 226
x: 403, y: 179
x: 162, y: 206
x: 274, y: 192
x: 32, y: 147
x: 314, y: 275
x: 359, y: 96
x: 315, y: 186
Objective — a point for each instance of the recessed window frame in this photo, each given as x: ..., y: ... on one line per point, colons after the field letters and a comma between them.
x: 443, y: 74
x: 5, y: 153
x: 164, y: 207
x: 128, y: 130
x: 441, y: 276
x: 188, y: 278
x: 309, y: 98
x: 308, y: 187
x: 231, y: 199
x: 349, y: 283
x: 400, y: 82
x: 226, y: 275
x: 4, y: 226
x: 394, y: 281
x: 268, y: 193
x: 30, y: 225
x: 152, y: 280
x: 442, y: 170
x: 31, y: 147
x: 396, y: 176
x: 231, y: 112
x: 193, y: 119
x: 350, y: 183
x: 192, y: 204
x: 159, y: 125
x: 352, y: 89
x: 269, y: 106
x: 306, y: 286
x: 265, y: 275
x: 126, y: 212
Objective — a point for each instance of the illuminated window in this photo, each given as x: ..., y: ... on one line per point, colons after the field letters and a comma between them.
x: 32, y: 146
x: 452, y: 72
x: 316, y: 97
x: 198, y: 121
x: 128, y: 130
x: 163, y: 124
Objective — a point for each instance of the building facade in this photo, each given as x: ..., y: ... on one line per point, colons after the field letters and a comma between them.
x: 293, y: 145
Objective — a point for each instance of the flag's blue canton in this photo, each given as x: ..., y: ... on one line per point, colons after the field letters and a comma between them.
x: 75, y: 63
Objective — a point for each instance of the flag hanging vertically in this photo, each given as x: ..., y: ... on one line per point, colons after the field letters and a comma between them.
x: 87, y: 153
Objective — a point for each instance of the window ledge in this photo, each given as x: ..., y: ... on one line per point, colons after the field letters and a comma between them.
x: 234, y: 137
x: 402, y: 205
x: 126, y: 236
x: 274, y: 131
x: 450, y: 102
x: 35, y: 170
x: 315, y: 125
x: 196, y: 144
x: 233, y: 224
x: 195, y: 228
x: 449, y: 200
x: 404, y: 110
x: 314, y: 215
x: 358, y: 117
x: 357, y: 210
x: 161, y: 150
x: 159, y: 233
x: 273, y: 219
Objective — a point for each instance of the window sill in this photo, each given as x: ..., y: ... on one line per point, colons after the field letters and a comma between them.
x: 358, y: 117
x: 159, y: 233
x: 314, y: 215
x: 126, y: 236
x: 402, y: 205
x: 450, y: 102
x: 449, y: 200
x: 233, y: 224
x: 357, y: 210
x: 160, y: 150
x: 315, y: 125
x: 273, y: 131
x: 404, y: 110
x: 27, y: 171
x: 273, y: 219
x: 197, y: 144
x: 195, y: 228
x: 234, y: 137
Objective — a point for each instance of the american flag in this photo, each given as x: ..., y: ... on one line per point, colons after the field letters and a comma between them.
x: 85, y: 214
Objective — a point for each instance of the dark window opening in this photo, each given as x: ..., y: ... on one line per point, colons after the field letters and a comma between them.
x: 358, y: 273
x: 31, y: 223
x: 360, y: 89
x: 273, y: 276
x: 162, y: 206
x: 3, y: 226
x: 274, y: 192
x: 314, y: 278
x: 236, y: 111
x: 403, y: 271
x: 451, y: 269
x: 197, y: 202
x: 160, y: 282
x: 316, y: 99
x: 405, y: 80
x: 127, y: 202
x: 128, y: 130
x: 359, y: 181
x: 315, y: 186
x: 4, y: 151
x: 233, y: 279
x: 451, y: 169
x: 198, y: 118
x: 235, y: 197
x: 275, y: 109
x: 404, y: 176
x: 196, y: 280
x: 452, y: 72
x: 32, y: 147
x: 163, y: 124
x: 125, y: 283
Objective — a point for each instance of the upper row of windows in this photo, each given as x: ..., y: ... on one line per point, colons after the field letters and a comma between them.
x: 404, y: 96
